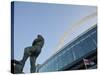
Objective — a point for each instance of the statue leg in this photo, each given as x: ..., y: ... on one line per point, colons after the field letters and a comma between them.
x: 32, y: 64
x: 25, y: 57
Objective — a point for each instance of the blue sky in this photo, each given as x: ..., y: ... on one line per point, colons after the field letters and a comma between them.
x: 49, y: 20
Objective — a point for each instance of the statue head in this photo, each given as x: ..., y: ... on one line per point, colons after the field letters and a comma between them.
x: 38, y: 40
x: 39, y: 36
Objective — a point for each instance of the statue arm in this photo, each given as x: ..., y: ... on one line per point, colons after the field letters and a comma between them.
x: 35, y: 41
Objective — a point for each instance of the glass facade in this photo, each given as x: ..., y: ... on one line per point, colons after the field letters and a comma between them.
x: 78, y: 48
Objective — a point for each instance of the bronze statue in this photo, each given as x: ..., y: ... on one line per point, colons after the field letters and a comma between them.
x: 32, y: 52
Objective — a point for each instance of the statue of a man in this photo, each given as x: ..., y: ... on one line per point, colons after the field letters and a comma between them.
x: 33, y: 52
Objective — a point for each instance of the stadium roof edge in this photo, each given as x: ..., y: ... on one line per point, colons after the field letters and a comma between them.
x: 68, y: 44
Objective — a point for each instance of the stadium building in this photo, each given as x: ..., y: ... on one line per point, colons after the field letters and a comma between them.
x: 80, y: 53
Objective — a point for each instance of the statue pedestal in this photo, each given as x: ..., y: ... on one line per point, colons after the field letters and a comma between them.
x: 17, y: 66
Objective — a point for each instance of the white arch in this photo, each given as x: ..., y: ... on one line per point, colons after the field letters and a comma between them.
x: 72, y: 28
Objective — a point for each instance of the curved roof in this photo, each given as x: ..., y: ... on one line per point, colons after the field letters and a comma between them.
x: 68, y: 44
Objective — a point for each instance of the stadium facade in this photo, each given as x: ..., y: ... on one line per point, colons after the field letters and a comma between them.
x: 80, y: 53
